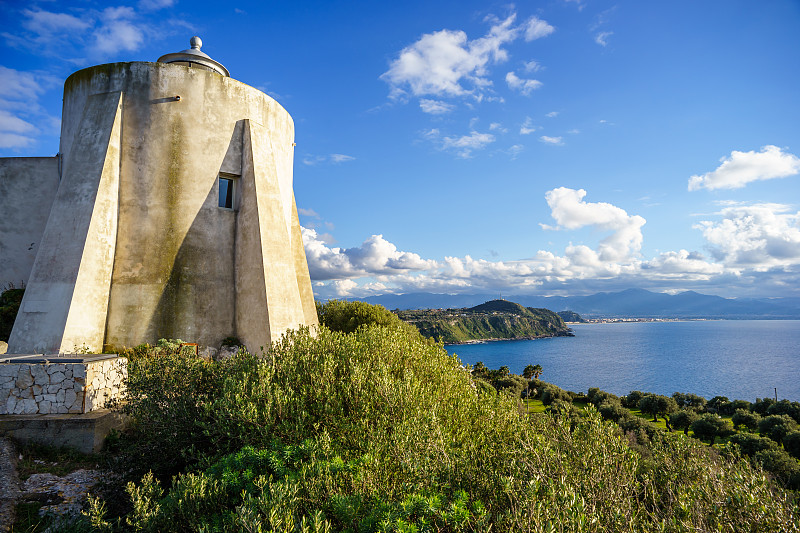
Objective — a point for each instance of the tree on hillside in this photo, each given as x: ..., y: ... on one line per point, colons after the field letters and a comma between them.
x: 655, y: 404
x: 504, y: 371
x: 777, y: 426
x: 748, y: 419
x: 683, y: 419
x: 710, y: 426
x: 791, y: 443
x: 690, y: 401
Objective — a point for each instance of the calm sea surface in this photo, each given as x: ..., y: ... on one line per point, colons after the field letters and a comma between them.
x: 740, y: 359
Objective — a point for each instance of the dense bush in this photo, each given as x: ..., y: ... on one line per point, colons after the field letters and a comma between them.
x: 10, y: 300
x: 379, y: 430
x: 776, y: 426
x: 750, y: 444
x: 346, y: 317
x: 612, y: 410
x: 551, y: 393
x: 785, y: 407
x: 791, y: 443
x: 710, y: 426
x: 748, y: 419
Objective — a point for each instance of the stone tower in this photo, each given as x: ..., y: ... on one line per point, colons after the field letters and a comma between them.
x: 174, y: 214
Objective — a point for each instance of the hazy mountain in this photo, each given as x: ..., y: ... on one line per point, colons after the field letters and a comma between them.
x: 627, y: 303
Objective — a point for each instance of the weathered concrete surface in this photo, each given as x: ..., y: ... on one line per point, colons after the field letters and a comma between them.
x: 177, y: 254
x: 27, y: 188
x: 65, y: 302
x: 83, y: 432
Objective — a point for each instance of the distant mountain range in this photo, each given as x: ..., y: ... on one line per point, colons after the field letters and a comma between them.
x: 628, y: 303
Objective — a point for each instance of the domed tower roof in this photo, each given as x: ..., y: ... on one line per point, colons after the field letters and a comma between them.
x: 194, y: 58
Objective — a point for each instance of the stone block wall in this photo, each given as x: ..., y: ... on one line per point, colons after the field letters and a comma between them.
x: 60, y: 388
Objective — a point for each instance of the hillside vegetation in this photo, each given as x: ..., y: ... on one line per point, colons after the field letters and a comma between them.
x: 496, y: 319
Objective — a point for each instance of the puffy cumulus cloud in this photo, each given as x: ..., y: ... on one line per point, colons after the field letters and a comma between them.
x: 435, y: 107
x: 741, y: 168
x: 570, y: 211
x: 447, y: 63
x: 522, y: 85
x: 684, y: 265
x: 756, y: 245
x: 759, y: 236
x: 536, y: 28
x: 375, y: 256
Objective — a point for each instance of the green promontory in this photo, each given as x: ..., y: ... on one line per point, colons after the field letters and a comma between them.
x: 493, y: 320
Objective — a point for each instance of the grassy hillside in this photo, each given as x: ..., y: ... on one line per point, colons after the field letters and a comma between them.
x: 496, y: 319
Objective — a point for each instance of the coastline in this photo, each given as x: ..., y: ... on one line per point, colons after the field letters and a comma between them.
x: 527, y: 338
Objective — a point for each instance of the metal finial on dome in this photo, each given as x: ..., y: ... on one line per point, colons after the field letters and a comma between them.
x: 195, y: 58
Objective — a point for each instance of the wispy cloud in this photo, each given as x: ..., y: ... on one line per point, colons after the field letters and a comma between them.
x: 551, y: 114
x: 335, y: 159
x: 527, y: 127
x: 435, y: 107
x: 602, y: 37
x: 552, y: 140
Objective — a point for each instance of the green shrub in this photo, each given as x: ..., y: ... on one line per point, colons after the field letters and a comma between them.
x: 10, y: 300
x: 379, y: 430
x: 346, y: 317
x: 710, y: 426
x: 552, y: 393
x: 791, y: 443
x: 782, y: 465
x: 748, y: 419
x: 750, y: 444
x: 612, y: 410
x: 776, y: 426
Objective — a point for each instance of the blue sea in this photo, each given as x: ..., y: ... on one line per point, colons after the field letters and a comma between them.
x: 740, y: 359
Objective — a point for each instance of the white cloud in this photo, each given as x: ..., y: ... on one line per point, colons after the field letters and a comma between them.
x: 117, y: 32
x: 602, y: 37
x: 558, y: 141
x: 157, y: 4
x: 447, y: 63
x: 22, y: 119
x: 465, y: 144
x: 522, y: 85
x: 532, y: 66
x: 754, y: 245
x: 759, y: 236
x: 335, y: 159
x: 571, y: 212
x: 46, y: 23
x: 741, y: 168
x: 435, y: 107
x: 536, y: 28
x: 527, y: 127
x: 307, y: 212
x: 375, y: 256
x: 551, y: 114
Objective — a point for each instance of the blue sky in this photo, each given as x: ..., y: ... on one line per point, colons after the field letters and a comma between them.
x: 553, y: 147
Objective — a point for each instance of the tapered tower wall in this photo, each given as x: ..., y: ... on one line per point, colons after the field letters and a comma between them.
x: 181, y: 267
